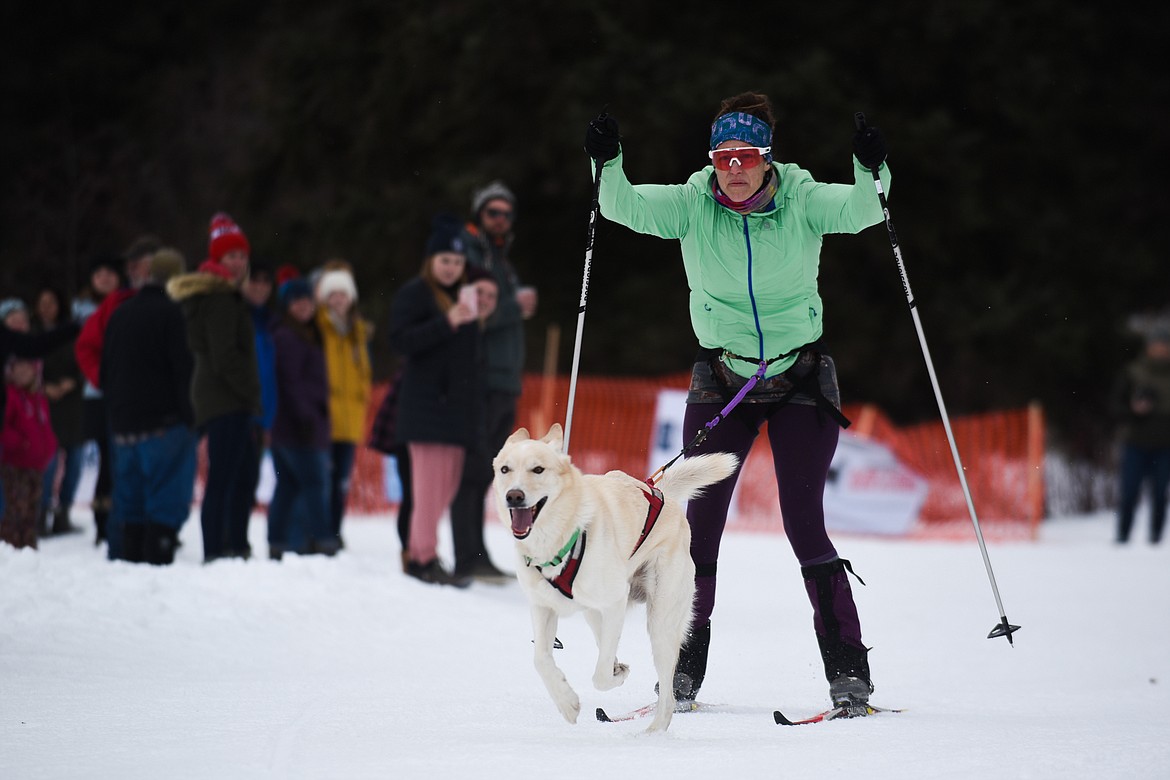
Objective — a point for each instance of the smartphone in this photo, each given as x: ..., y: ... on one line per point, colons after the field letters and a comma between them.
x: 469, y: 298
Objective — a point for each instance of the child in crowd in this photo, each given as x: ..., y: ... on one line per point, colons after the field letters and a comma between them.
x: 298, y: 515
x: 345, y: 337
x: 62, y: 380
x: 27, y: 444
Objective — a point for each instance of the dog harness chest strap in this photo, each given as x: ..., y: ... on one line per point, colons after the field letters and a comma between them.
x: 563, y: 582
x: 560, y: 556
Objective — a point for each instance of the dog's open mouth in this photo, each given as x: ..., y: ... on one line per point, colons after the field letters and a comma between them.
x: 523, y: 517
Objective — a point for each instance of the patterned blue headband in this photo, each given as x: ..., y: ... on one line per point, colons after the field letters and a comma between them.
x: 741, y: 127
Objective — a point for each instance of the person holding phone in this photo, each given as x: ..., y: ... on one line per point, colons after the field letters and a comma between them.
x: 469, y: 297
x: 437, y: 332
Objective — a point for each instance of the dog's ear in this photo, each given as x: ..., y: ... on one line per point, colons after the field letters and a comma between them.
x: 521, y: 434
x: 555, y: 435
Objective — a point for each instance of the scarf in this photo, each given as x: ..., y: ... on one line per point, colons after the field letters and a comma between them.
x: 760, y: 201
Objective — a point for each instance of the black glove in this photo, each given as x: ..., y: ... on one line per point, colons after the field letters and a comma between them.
x: 869, y: 146
x: 602, y: 139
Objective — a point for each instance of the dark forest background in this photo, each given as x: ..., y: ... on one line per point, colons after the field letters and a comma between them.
x: 1028, y: 163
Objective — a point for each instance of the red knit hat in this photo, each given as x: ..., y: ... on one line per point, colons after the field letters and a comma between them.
x: 225, y: 235
x: 286, y: 272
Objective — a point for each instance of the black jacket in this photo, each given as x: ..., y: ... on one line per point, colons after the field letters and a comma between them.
x: 146, y: 365
x: 1147, y: 379
x: 31, y: 345
x: 442, y: 378
x: 65, y: 413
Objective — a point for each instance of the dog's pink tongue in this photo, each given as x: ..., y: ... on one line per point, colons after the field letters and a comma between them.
x: 522, y: 518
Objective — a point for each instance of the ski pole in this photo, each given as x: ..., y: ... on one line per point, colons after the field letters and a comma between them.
x: 594, y: 210
x: 1003, y: 628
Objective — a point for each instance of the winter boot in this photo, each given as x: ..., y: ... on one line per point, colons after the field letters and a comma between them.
x: 435, y: 574
x: 43, y: 524
x: 838, y: 630
x: 847, y: 669
x: 329, y: 546
x: 159, y: 543
x: 692, y: 663
x: 101, y: 515
x: 61, y: 522
x: 133, y: 543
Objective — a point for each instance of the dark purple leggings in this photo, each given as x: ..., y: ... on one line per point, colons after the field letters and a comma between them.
x: 803, y: 441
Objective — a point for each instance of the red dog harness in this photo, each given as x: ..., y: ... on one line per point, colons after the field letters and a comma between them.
x: 575, y: 548
x: 655, y: 498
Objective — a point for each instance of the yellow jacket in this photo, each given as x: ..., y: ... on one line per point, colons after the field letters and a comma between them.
x: 347, y: 360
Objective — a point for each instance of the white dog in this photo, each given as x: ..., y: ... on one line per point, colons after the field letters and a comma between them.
x: 596, y: 543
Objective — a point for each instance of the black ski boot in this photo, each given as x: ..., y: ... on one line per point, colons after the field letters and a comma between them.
x: 838, y: 632
x: 847, y: 670
x: 692, y: 663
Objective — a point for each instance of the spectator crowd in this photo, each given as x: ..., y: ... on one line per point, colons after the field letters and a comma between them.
x: 152, y: 357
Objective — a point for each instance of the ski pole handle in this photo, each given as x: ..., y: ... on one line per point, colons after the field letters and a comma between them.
x: 860, y: 123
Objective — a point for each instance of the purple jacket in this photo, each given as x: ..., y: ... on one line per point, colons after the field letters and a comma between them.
x: 302, y: 387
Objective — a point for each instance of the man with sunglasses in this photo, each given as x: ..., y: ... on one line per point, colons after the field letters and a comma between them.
x: 488, y: 241
x: 750, y: 231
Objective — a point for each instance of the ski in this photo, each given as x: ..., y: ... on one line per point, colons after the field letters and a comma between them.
x: 648, y: 709
x: 836, y: 713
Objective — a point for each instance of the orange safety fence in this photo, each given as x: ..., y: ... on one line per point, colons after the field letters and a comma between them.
x: 613, y: 419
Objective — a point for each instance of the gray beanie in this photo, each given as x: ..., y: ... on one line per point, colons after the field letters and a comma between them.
x: 493, y: 190
x: 9, y: 305
x: 1159, y: 334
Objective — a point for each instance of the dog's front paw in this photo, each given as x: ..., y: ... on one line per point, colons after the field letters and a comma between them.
x: 570, y: 706
x: 661, y: 720
x: 605, y: 682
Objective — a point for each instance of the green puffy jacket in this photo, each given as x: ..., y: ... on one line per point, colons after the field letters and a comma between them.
x: 782, y: 246
x: 222, y: 340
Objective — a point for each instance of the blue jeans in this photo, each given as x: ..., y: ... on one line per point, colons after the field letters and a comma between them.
x: 74, y: 457
x: 229, y: 453
x: 1139, y: 464
x: 154, y: 479
x: 299, y: 510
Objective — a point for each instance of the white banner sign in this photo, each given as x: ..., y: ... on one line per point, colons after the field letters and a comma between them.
x: 868, y: 490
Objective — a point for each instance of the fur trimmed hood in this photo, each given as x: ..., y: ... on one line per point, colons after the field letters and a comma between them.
x: 185, y: 286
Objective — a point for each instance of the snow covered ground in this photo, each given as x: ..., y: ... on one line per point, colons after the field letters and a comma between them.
x: 345, y: 668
